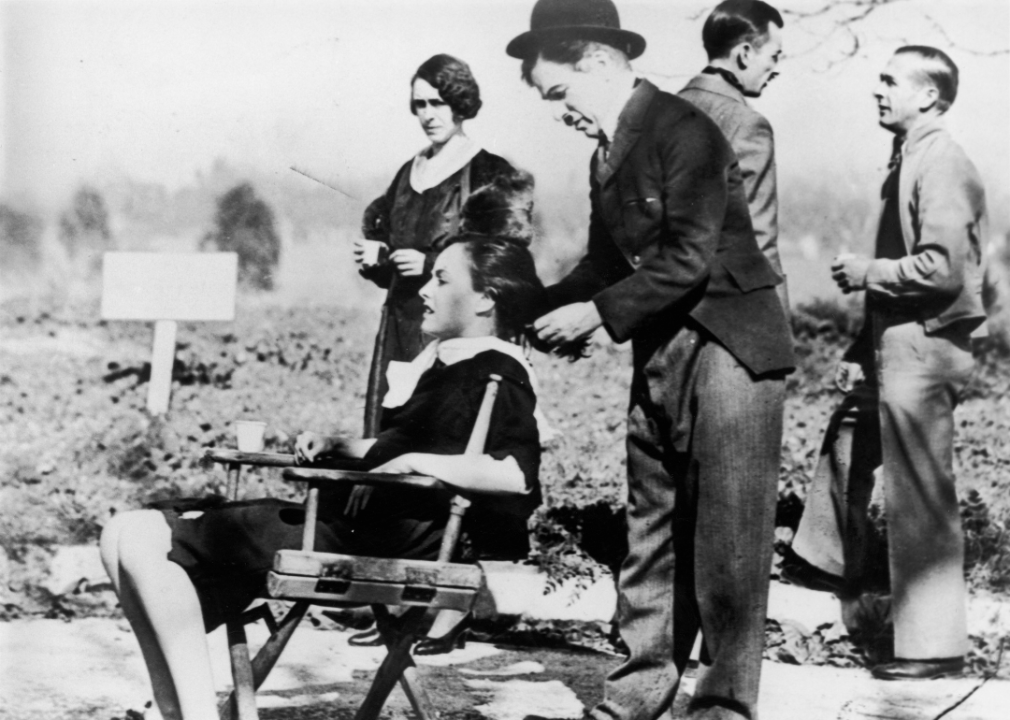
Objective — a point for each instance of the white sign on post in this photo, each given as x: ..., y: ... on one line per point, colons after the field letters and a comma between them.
x: 166, y: 288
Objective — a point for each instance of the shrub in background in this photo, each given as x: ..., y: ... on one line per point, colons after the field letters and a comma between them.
x: 84, y: 227
x: 244, y: 224
x: 20, y: 239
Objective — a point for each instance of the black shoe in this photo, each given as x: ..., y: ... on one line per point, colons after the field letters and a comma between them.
x: 795, y: 570
x: 455, y: 639
x: 919, y: 669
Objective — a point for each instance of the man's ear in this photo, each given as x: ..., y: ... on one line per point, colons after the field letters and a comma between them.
x: 742, y: 53
x: 597, y: 58
x: 928, y: 97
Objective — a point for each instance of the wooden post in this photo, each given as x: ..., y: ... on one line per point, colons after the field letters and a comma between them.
x: 159, y: 387
x: 166, y: 288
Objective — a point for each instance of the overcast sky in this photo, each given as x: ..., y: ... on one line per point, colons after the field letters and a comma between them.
x: 158, y: 90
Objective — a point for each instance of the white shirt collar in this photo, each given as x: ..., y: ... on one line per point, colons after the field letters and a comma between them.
x: 428, y: 171
x: 402, y: 377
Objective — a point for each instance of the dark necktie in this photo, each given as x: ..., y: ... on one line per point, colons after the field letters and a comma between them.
x: 895, y: 161
x: 604, y: 147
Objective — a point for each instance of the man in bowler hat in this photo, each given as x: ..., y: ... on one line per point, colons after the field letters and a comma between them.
x: 672, y: 265
x: 743, y: 40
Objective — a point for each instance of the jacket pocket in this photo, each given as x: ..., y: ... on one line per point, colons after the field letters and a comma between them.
x: 641, y: 217
x: 750, y: 272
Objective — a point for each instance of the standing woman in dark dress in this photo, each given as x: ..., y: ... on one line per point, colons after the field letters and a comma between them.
x: 420, y: 210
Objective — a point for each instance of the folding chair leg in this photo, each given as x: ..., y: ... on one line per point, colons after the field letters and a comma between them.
x: 399, y: 636
x: 267, y: 657
x: 244, y: 695
x: 415, y: 692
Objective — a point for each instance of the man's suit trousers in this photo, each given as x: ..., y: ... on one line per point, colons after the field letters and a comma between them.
x: 704, y: 440
x: 903, y: 418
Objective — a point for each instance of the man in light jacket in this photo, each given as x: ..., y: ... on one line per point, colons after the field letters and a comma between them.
x: 743, y: 39
x: 904, y: 375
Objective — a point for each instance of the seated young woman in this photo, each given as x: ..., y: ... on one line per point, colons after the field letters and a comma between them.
x: 179, y: 571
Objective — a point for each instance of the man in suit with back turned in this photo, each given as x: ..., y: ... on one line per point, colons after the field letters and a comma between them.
x: 672, y: 265
x: 743, y: 39
x: 904, y: 375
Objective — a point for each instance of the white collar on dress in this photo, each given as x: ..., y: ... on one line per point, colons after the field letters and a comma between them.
x: 402, y: 377
x: 427, y: 172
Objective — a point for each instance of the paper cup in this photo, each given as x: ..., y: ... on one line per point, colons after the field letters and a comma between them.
x: 372, y: 251
x: 250, y: 435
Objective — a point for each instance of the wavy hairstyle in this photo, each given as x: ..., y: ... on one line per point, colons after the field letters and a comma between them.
x: 454, y: 82
x: 504, y: 269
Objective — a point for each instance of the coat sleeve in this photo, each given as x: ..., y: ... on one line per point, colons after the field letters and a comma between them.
x: 375, y: 225
x: 945, y: 206
x: 599, y: 267
x: 694, y: 159
x: 754, y: 144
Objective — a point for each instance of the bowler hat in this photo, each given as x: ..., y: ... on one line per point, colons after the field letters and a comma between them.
x: 575, y: 20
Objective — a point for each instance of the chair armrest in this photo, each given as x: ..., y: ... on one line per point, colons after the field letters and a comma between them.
x: 237, y: 457
x: 271, y: 459
x: 315, y: 475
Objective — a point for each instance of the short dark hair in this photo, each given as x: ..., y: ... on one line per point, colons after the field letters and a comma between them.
x: 939, y: 71
x: 454, y: 82
x: 565, y: 52
x: 506, y: 271
x: 737, y: 21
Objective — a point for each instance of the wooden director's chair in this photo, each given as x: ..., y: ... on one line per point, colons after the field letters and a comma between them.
x: 307, y: 577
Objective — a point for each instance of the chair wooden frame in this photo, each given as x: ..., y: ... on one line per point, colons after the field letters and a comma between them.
x: 308, y: 577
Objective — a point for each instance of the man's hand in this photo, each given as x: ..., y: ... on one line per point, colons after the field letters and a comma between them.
x: 568, y: 323
x: 409, y: 263
x: 847, y: 375
x: 849, y: 272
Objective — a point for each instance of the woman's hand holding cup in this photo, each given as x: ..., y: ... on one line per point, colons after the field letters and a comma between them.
x: 369, y: 253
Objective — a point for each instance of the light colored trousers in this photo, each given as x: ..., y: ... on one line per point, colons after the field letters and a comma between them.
x: 704, y: 442
x: 903, y: 419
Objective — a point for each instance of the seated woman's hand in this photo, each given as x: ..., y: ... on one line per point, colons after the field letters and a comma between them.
x: 357, y: 499
x: 309, y: 445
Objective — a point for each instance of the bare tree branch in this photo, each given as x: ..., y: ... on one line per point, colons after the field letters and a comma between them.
x: 950, y: 41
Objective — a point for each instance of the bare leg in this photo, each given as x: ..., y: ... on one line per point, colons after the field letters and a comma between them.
x: 161, y: 604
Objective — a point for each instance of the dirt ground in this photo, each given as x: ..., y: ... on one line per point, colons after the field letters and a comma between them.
x: 91, y: 669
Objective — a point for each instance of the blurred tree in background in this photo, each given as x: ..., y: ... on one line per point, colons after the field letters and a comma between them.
x: 84, y: 228
x: 244, y: 224
x: 20, y: 239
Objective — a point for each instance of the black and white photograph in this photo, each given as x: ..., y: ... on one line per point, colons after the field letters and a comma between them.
x: 504, y: 359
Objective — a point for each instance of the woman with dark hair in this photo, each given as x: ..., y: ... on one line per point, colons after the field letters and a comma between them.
x: 421, y: 209
x: 183, y: 569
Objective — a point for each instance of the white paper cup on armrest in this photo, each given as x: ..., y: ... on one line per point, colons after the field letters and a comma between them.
x: 250, y: 435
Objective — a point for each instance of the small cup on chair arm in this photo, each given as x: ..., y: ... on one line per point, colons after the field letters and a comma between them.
x: 249, y: 434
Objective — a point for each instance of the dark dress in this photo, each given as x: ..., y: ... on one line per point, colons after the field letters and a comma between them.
x: 227, y: 550
x: 405, y: 218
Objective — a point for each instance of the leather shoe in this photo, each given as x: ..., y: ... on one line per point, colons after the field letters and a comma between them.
x: 798, y: 571
x: 901, y: 669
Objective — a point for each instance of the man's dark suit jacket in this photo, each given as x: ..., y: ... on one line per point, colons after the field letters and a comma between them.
x: 670, y: 236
